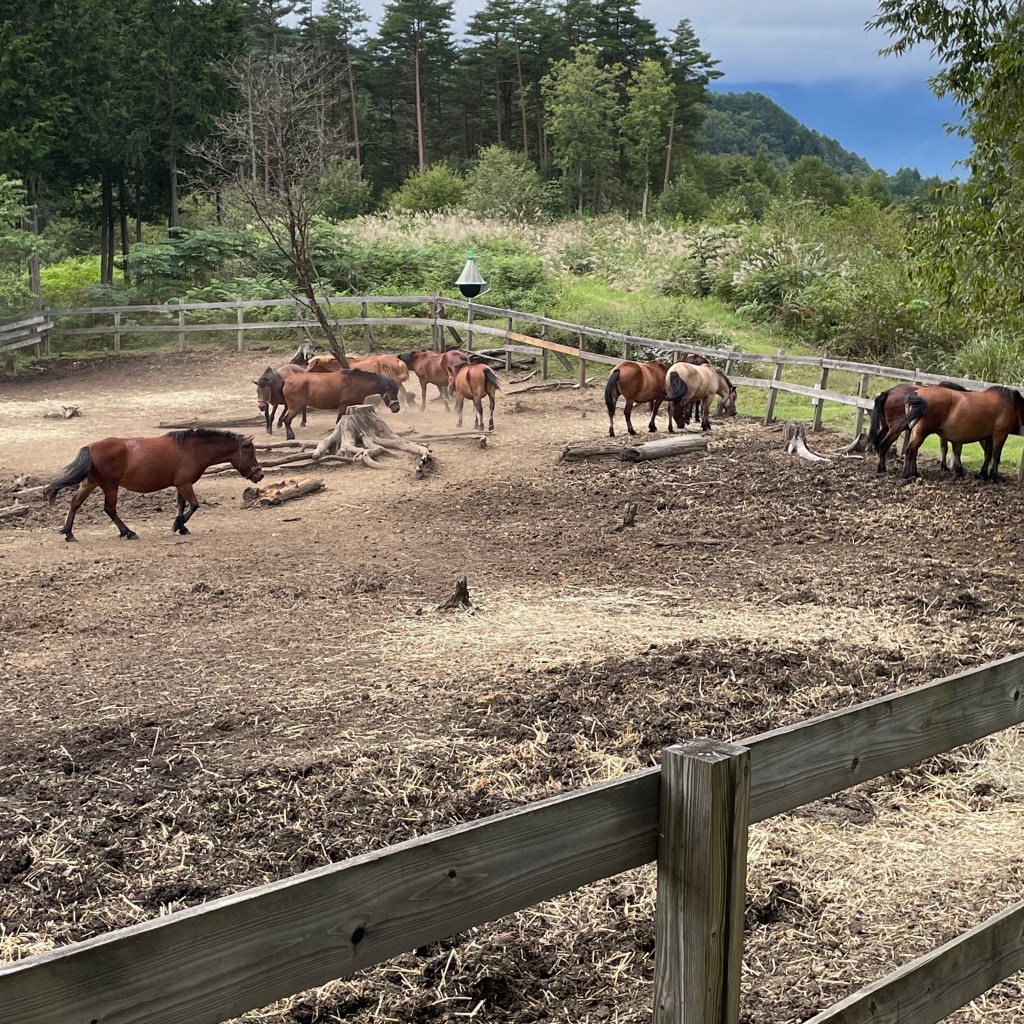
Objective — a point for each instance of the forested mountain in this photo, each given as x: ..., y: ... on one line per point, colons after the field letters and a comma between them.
x: 747, y: 123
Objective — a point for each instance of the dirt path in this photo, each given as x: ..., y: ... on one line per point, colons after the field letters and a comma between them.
x: 188, y: 716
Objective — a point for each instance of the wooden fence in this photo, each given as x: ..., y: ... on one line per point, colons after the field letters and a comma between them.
x: 122, y: 321
x: 23, y: 331
x: 218, y: 960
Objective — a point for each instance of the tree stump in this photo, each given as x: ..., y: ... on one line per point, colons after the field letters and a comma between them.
x: 363, y: 436
x: 459, y: 598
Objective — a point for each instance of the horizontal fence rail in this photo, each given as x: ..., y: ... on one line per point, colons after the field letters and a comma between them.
x: 217, y: 960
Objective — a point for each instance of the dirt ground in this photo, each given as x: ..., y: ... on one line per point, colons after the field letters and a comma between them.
x: 183, y: 717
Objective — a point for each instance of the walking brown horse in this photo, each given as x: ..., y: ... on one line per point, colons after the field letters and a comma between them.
x: 473, y: 381
x: 432, y: 368
x: 146, y: 464
x: 960, y: 417
x: 383, y: 363
x: 685, y: 382
x: 638, y: 382
x: 889, y: 407
x: 270, y: 392
x: 336, y: 390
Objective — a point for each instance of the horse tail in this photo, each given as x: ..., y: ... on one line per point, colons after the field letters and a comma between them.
x: 611, y: 391
x: 491, y: 379
x: 916, y: 406
x: 675, y: 387
x: 74, y: 474
x: 875, y: 434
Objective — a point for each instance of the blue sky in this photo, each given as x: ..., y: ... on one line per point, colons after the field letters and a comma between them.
x: 816, y: 59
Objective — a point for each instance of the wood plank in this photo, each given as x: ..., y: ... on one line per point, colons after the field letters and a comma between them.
x: 937, y: 984
x: 702, y: 873
x: 257, y: 325
x: 394, y: 300
x: 209, y: 963
x: 809, y: 760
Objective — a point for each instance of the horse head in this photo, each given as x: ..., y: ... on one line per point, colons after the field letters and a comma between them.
x: 389, y: 392
x: 263, y: 386
x: 245, y: 461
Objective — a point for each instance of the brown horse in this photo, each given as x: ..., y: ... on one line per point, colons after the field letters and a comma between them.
x: 473, y: 381
x: 336, y: 390
x: 383, y: 363
x: 685, y: 382
x: 639, y: 382
x: 432, y: 368
x: 960, y: 417
x: 889, y: 407
x: 145, y: 464
x: 270, y: 392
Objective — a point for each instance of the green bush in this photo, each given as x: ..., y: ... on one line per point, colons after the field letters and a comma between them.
x: 506, y: 185
x: 66, y: 284
x: 682, y: 200
x: 997, y: 357
x: 343, y: 193
x: 435, y: 189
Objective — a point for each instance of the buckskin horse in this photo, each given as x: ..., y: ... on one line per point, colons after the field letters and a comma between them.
x: 146, y: 464
x: 889, y: 407
x: 685, y: 382
x: 336, y: 390
x: 960, y: 417
x: 432, y: 368
x: 473, y: 381
x: 638, y: 382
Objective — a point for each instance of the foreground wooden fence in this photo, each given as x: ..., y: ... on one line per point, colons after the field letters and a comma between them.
x: 223, y: 958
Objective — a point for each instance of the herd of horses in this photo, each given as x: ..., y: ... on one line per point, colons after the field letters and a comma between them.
x: 688, y: 387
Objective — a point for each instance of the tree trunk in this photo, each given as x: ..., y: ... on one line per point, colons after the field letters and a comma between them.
x: 106, y: 229
x: 172, y: 218
x: 122, y: 212
x: 355, y: 114
x: 647, y: 195
x: 138, y: 200
x: 522, y: 89
x: 668, y: 151
x: 421, y: 145
x: 35, y: 285
x: 497, y: 90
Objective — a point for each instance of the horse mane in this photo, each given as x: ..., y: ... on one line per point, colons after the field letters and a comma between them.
x: 1010, y: 394
x: 203, y: 434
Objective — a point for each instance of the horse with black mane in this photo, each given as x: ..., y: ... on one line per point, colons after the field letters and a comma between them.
x: 336, y: 390
x: 959, y: 417
x: 889, y: 407
x: 145, y: 464
x: 269, y: 386
x: 685, y: 382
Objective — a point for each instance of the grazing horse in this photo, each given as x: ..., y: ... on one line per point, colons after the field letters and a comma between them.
x: 385, y: 364
x: 336, y: 390
x: 889, y: 408
x: 270, y: 392
x: 960, y: 417
x: 639, y: 382
x: 473, y: 381
x: 432, y: 368
x: 685, y: 382
x: 145, y: 464
x: 691, y: 410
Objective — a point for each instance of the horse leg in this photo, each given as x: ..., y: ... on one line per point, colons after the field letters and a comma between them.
x: 459, y: 402
x: 652, y: 426
x: 490, y: 425
x: 268, y: 414
x: 185, y: 493
x: 996, y: 441
x: 110, y: 507
x: 958, y: 466
x: 628, y: 413
x: 85, y: 488
x: 478, y: 413
x: 287, y: 420
x: 304, y: 415
x: 705, y: 423
x: 944, y: 448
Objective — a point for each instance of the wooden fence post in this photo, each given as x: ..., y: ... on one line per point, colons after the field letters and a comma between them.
x: 862, y: 392
x: 181, y: 325
x: 508, y: 355
x: 239, y: 324
x: 702, y: 864
x: 583, y: 364
x: 627, y: 347
x: 469, y: 329
x: 544, y: 336
x: 820, y: 403
x: 769, y: 413
x: 367, y: 334
x: 117, y: 333
x: 433, y: 324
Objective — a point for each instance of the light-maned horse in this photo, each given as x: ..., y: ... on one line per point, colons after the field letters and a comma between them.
x: 961, y: 417
x: 474, y: 381
x: 146, y: 464
x: 432, y: 368
x: 686, y: 382
x: 637, y: 382
x: 336, y: 390
x: 889, y: 407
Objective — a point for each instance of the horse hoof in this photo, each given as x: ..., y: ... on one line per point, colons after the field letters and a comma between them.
x: 131, y: 535
x: 184, y: 531
x: 69, y: 537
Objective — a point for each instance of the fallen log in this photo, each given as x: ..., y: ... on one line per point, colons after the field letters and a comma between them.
x: 66, y: 413
x: 686, y: 444
x: 857, y: 446
x: 225, y: 424
x: 279, y: 493
x: 479, y: 439
x: 13, y: 512
x: 708, y: 541
x: 523, y: 380
x: 309, y: 461
x: 30, y: 491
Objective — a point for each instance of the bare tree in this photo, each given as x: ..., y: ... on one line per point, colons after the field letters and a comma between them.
x: 273, y: 153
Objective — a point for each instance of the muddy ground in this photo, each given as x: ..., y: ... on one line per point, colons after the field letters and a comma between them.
x: 186, y: 717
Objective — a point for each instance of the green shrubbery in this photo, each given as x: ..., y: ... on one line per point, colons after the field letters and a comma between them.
x: 435, y: 189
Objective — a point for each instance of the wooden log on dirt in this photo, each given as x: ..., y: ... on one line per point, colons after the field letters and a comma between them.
x: 67, y: 412
x: 279, y: 493
x: 798, y: 446
x: 684, y: 444
x: 13, y: 512
x: 459, y: 598
x: 479, y: 440
x: 688, y: 542
x: 857, y: 446
x: 308, y: 461
x: 362, y: 435
x: 225, y: 424
x: 30, y: 492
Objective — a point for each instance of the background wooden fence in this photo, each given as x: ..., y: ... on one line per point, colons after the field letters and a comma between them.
x: 223, y: 958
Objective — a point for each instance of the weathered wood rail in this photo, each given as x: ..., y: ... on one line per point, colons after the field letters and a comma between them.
x: 218, y: 960
x: 21, y: 332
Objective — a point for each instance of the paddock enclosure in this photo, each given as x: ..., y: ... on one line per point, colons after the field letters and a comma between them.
x: 183, y: 718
